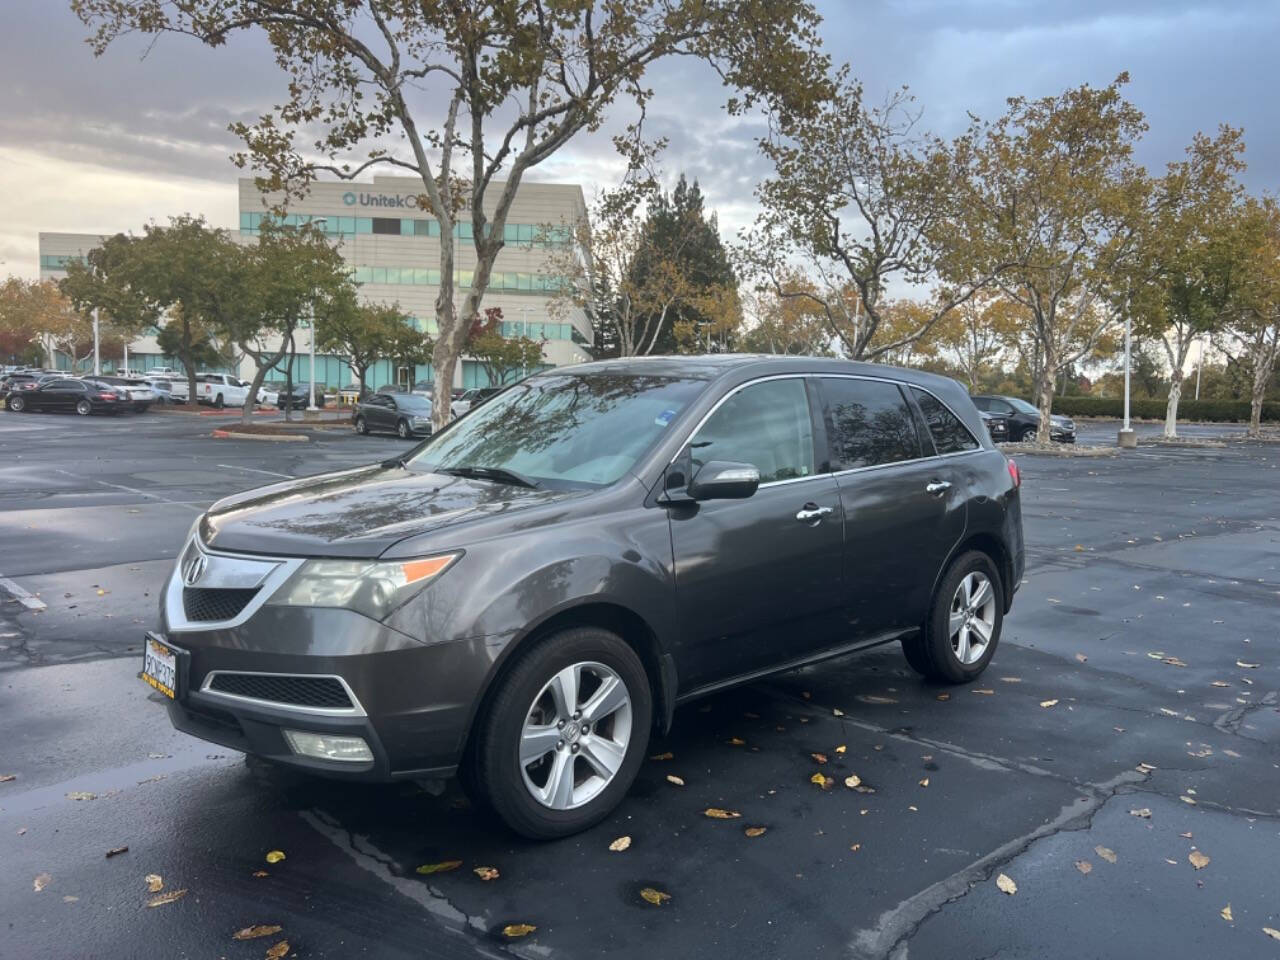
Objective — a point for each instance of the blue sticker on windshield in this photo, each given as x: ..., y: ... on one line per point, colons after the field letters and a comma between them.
x: 665, y: 417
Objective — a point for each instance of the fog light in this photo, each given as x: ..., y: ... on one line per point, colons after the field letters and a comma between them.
x: 327, y: 747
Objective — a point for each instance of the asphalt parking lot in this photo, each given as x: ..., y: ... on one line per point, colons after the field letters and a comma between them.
x: 1131, y: 719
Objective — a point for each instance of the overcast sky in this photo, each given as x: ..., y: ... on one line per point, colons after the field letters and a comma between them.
x: 106, y: 145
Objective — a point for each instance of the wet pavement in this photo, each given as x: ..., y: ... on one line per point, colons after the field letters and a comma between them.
x: 1121, y: 729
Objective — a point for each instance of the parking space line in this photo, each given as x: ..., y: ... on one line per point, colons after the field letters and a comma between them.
x: 134, y: 490
x: 21, y: 595
x: 269, y: 473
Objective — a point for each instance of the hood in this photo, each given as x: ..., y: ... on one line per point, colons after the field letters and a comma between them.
x: 1059, y: 419
x: 359, y: 513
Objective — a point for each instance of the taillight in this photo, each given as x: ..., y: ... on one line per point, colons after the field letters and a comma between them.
x: 1015, y: 474
x: 106, y: 396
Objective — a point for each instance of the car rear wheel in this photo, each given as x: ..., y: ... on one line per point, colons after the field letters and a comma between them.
x: 84, y: 407
x: 218, y: 402
x: 565, y: 734
x: 17, y: 404
x: 402, y: 429
x: 962, y: 631
x: 362, y: 428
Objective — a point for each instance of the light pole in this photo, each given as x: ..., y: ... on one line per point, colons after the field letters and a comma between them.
x: 524, y: 334
x: 1199, y: 366
x: 97, y: 364
x: 311, y: 406
x: 1127, y: 437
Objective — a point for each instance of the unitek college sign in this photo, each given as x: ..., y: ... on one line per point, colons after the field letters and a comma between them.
x: 401, y: 200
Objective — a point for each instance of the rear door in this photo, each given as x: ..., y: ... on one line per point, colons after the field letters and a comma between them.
x: 61, y: 395
x: 902, y: 509
x: 757, y: 580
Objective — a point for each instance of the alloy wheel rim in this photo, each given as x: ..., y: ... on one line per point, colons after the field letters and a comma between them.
x: 575, y: 735
x: 971, y: 621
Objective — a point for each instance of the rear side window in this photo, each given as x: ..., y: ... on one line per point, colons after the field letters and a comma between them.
x: 871, y: 423
x: 949, y: 434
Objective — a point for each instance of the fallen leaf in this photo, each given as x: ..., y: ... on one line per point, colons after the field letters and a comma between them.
x: 1247, y: 666
x: 1048, y: 703
x: 1198, y: 859
x: 914, y: 809
x: 1232, y: 753
x: 852, y: 780
x: 1006, y: 884
x: 116, y: 851
x: 261, y: 873
x: 837, y: 712
x: 81, y: 795
x: 622, y: 843
x: 944, y: 697
x: 154, y: 882
x: 1219, y: 683
x: 655, y: 897
x: 275, y: 856
x: 443, y: 866
x: 254, y: 932
x: 673, y: 779
x: 984, y: 692
x: 1190, y: 800
x: 1010, y: 679
x: 1084, y: 866
x: 70, y: 899
x: 663, y: 756
x: 873, y: 698
x: 1079, y: 548
x: 279, y: 950
x: 1105, y: 853
x: 855, y: 847
x: 819, y: 757
x: 1271, y: 932
x: 6, y: 777
x: 716, y: 813
x: 1144, y: 813
x: 924, y: 782
x: 822, y: 781
x: 1186, y: 836
x: 1144, y: 768
x: 40, y: 882
x: 1082, y: 658
x: 841, y: 749
x: 737, y: 741
x: 1225, y: 913
x: 755, y: 831
x: 161, y: 899
x: 807, y: 695
x: 516, y: 930
x: 487, y: 873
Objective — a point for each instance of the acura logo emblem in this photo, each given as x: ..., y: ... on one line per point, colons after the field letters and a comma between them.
x: 193, y: 568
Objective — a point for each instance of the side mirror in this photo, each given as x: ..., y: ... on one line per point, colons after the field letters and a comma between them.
x: 724, y: 480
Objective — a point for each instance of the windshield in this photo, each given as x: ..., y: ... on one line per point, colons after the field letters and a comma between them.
x: 564, y: 430
x: 1022, y: 406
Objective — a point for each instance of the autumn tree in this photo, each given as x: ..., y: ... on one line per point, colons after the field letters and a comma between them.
x: 500, y: 356
x: 784, y: 325
x: 36, y: 316
x: 1252, y: 338
x: 1053, y: 213
x: 469, y: 97
x: 978, y: 332
x: 362, y: 333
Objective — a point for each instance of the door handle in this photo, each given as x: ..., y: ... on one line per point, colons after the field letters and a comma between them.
x: 938, y: 486
x: 811, y: 512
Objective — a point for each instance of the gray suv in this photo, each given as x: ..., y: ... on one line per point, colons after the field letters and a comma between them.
x: 524, y: 597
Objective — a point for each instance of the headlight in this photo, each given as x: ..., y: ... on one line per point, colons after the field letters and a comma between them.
x: 374, y: 588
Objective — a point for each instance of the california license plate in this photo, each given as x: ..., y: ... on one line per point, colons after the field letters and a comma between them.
x: 160, y: 667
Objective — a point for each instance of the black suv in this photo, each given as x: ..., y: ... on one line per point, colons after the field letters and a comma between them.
x: 529, y: 593
x: 1024, y: 418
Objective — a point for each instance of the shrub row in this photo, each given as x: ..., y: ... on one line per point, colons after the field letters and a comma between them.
x: 1219, y: 411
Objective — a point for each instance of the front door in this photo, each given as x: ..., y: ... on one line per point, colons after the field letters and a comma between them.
x: 757, y: 580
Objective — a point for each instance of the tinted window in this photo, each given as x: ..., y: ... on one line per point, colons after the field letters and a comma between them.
x: 982, y: 403
x: 871, y: 423
x: 386, y: 225
x: 66, y: 385
x: 766, y: 425
x: 949, y: 434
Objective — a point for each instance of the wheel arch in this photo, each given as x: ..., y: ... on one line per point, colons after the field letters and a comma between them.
x: 992, y: 546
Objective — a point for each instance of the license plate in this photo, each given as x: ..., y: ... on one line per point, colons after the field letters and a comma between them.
x: 160, y: 667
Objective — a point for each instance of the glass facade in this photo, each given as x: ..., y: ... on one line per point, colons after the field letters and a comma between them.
x: 58, y: 261
x: 506, y: 281
x: 531, y: 234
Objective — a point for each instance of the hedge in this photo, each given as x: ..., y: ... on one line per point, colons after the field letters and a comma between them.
x: 1220, y: 411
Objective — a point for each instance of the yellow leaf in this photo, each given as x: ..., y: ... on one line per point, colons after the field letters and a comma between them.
x: 487, y: 873
x: 663, y: 756
x: 1084, y: 866
x: 514, y: 930
x: 755, y: 831
x: 944, y: 697
x: 1225, y: 913
x: 1198, y: 859
x: 841, y: 749
x: 443, y: 866
x: 1271, y: 932
x: 1006, y: 885
x: 855, y: 847
x: 279, y: 950
x: 822, y: 781
x: 155, y: 883
x: 1079, y: 548
x: 673, y: 779
x: 924, y: 782
x: 40, y: 882
x: 159, y: 900
x: 715, y: 813
x: 656, y: 897
x: 1010, y: 679
x: 1106, y: 854
x: 1048, y: 703
x: 819, y: 757
x: 1144, y: 813
x: 252, y: 933
x: 275, y: 856
x: 984, y: 692
x: 852, y: 780
x: 81, y: 795
x: 622, y: 843
x: 737, y: 741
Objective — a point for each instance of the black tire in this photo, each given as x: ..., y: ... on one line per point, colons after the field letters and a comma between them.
x: 218, y: 402
x: 496, y: 775
x: 84, y: 407
x: 931, y: 652
x: 403, y: 431
x: 17, y: 404
x: 362, y: 428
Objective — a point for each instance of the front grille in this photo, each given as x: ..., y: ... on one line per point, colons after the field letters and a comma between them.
x: 325, y: 692
x: 203, y: 604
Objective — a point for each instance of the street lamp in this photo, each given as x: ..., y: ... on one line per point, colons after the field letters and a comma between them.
x: 311, y: 406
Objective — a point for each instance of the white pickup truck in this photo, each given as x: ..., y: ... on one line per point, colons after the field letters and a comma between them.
x: 221, y: 389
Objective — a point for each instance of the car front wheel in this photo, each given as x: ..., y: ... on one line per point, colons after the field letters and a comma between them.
x: 362, y: 428
x: 402, y: 429
x: 84, y: 408
x: 962, y: 631
x: 565, y: 734
x: 17, y: 404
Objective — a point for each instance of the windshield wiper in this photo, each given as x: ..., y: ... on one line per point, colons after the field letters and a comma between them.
x: 496, y: 474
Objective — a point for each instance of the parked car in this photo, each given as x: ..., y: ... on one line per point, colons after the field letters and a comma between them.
x: 997, y: 426
x: 472, y: 398
x: 137, y: 393
x: 300, y: 399
x: 404, y: 414
x: 528, y: 594
x: 424, y: 388
x: 65, y: 395
x: 1024, y: 418
x: 221, y: 390
x: 20, y: 381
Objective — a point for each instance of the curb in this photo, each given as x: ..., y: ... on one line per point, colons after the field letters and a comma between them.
x: 278, y: 437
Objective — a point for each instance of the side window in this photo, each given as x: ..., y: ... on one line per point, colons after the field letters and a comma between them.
x: 999, y: 406
x: 949, y: 434
x: 983, y: 403
x: 871, y: 423
x: 766, y: 425
x: 67, y: 385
